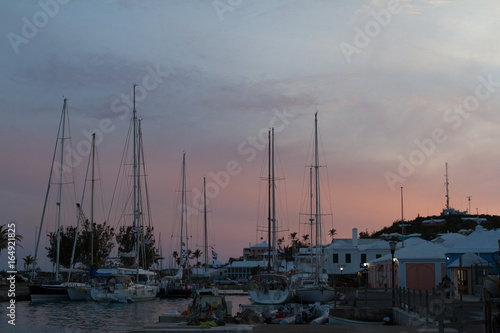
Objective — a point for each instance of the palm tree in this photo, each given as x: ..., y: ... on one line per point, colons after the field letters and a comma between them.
x: 176, y: 259
x: 28, y: 261
x: 305, y: 237
x: 6, y: 233
x: 332, y: 233
x: 196, y: 255
x: 293, y: 236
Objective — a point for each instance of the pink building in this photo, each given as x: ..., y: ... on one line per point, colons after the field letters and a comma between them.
x: 419, y: 265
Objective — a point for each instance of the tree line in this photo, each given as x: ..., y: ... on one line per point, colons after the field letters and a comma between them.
x: 104, y: 238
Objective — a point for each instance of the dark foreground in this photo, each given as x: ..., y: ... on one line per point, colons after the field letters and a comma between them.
x: 333, y: 328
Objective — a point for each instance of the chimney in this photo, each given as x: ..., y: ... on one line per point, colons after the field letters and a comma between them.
x: 354, y: 236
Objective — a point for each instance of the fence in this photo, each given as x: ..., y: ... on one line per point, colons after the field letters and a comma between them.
x: 442, y: 307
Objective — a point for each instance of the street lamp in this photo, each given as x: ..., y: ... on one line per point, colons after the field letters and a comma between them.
x: 341, y: 270
x: 392, y: 244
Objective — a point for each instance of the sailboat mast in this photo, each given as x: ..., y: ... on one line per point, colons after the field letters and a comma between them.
x: 317, y: 185
x: 311, y: 218
x: 273, y: 187
x: 92, y: 204
x: 65, y: 110
x: 44, y: 209
x: 205, y: 220
x: 140, y: 221
x: 183, y: 189
x: 447, y: 184
x: 134, y: 153
x: 269, y: 207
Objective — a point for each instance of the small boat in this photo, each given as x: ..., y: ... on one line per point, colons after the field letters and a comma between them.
x: 332, y: 320
x: 321, y: 313
x: 79, y: 291
x: 177, y: 286
x: 271, y: 288
x: 315, y: 288
x: 120, y: 288
x: 53, y: 291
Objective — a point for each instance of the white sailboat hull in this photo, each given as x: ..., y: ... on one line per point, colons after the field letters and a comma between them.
x: 79, y: 292
x: 48, y: 293
x: 315, y: 293
x: 134, y: 293
x: 270, y: 297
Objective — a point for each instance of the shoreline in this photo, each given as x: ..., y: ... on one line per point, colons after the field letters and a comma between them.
x: 22, y: 293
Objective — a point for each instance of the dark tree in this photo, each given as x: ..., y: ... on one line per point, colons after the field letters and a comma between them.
x: 67, y: 239
x: 103, y: 243
x: 126, y: 239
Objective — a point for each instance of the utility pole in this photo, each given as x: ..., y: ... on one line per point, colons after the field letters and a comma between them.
x: 402, y: 221
x: 446, y: 184
x: 468, y: 197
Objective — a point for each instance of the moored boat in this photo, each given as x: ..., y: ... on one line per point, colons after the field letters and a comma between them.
x: 332, y: 320
x: 271, y: 287
x: 315, y: 288
x: 48, y: 292
x: 120, y: 288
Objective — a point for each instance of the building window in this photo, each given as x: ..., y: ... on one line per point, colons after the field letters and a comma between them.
x: 363, y: 258
x: 378, y: 256
x: 347, y: 258
x: 335, y: 258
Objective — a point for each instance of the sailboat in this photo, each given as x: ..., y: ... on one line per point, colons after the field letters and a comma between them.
x: 176, y: 286
x: 121, y: 287
x: 271, y: 287
x: 80, y: 291
x: 314, y: 287
x: 53, y: 290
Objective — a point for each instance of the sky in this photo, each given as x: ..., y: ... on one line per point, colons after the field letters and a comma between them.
x: 400, y: 87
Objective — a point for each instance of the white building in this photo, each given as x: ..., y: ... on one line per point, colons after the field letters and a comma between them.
x: 346, y: 255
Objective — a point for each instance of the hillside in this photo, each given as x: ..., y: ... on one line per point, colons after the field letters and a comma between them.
x: 428, y: 231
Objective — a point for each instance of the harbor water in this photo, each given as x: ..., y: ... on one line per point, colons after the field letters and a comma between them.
x: 79, y: 317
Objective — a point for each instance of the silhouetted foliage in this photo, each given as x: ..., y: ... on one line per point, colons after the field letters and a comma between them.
x: 126, y: 239
x: 103, y: 243
x: 66, y: 242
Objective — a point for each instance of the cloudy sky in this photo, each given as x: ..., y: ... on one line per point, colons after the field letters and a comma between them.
x: 401, y: 88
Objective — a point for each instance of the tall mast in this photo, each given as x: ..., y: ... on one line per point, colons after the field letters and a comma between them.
x: 183, y: 189
x: 185, y: 220
x: 447, y: 184
x: 317, y: 185
x: 311, y: 218
x: 205, y: 220
x: 135, y: 161
x: 273, y: 188
x: 65, y: 110
x: 269, y: 208
x: 402, y: 221
x: 140, y: 222
x: 92, y: 205
x: 44, y: 209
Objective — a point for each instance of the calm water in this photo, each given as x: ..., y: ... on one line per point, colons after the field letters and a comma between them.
x: 79, y: 317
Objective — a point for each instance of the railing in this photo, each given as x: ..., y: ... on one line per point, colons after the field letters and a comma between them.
x: 444, y: 309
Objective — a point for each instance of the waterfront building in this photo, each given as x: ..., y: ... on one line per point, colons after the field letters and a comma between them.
x: 419, y: 265
x: 483, y: 243
x: 256, y: 251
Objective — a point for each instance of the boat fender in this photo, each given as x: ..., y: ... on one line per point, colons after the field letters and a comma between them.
x: 253, y: 286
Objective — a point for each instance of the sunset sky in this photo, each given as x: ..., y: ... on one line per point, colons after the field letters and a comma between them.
x: 400, y: 87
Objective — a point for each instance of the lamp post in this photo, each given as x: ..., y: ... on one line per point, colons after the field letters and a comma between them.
x: 392, y: 244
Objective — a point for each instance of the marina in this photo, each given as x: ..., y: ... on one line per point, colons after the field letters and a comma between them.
x: 250, y: 166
